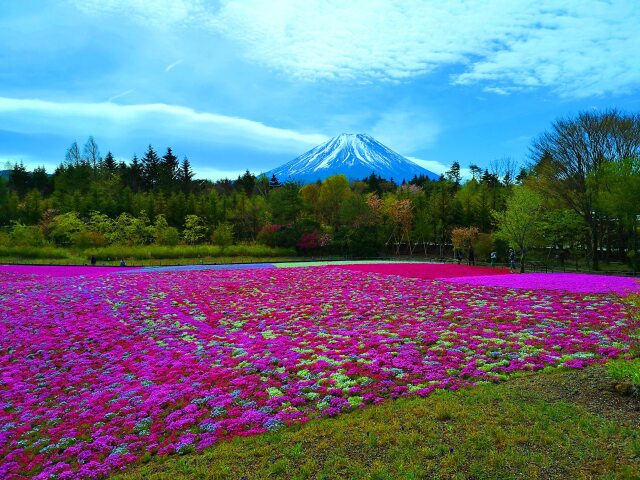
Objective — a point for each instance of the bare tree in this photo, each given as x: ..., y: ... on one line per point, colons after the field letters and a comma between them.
x: 91, y: 153
x: 505, y: 169
x: 73, y: 154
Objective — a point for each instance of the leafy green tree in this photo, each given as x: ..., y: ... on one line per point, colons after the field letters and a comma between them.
x: 562, y: 228
x: 519, y: 224
x: 285, y: 203
x: 64, y: 227
x: 619, y: 196
x: 575, y: 148
x: 222, y: 235
x: 333, y: 193
x: 194, y: 229
x: 26, y: 235
x: 163, y: 234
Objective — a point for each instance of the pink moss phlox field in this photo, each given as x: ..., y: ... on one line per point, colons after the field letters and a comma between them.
x: 9, y: 273
x: 571, y: 282
x: 99, y: 371
x: 425, y: 270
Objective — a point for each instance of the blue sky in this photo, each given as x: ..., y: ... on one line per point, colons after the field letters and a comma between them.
x: 251, y: 84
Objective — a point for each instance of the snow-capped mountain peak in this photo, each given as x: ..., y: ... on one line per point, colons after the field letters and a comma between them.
x: 356, y: 155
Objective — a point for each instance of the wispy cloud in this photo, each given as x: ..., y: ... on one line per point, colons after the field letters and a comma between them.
x: 171, y: 66
x: 120, y: 95
x: 577, y: 48
x: 111, y: 119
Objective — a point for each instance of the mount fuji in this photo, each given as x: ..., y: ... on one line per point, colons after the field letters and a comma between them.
x: 354, y: 155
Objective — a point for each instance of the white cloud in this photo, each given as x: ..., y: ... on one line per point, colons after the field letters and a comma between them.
x: 172, y: 121
x: 159, y: 13
x: 217, y: 174
x: 578, y: 48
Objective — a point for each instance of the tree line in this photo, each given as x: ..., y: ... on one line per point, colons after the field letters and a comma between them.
x: 577, y: 196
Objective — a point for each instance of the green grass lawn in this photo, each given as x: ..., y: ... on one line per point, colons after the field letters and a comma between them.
x: 560, y: 424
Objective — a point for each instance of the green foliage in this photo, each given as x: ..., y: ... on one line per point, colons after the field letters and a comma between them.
x: 23, y: 235
x: 627, y: 371
x: 129, y: 230
x: 520, y: 223
x: 65, y: 227
x: 222, y: 235
x: 483, y: 246
x: 589, y: 191
x: 163, y: 234
x: 194, y: 229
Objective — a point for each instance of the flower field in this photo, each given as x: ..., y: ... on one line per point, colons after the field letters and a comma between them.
x: 99, y: 371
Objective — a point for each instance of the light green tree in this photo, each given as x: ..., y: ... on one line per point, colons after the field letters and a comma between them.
x: 163, y: 234
x: 194, y: 229
x: 222, y: 235
x: 65, y: 227
x: 519, y: 223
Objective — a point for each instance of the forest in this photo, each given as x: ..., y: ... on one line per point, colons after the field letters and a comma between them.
x: 575, y: 199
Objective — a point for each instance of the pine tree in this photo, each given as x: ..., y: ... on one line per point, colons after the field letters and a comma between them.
x: 133, y: 175
x: 274, y: 183
x: 19, y: 179
x: 109, y: 163
x: 168, y: 171
x: 185, y: 176
x: 150, y: 169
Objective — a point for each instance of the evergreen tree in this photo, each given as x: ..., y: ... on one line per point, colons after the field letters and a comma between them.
x: 246, y: 182
x: 41, y: 180
x: 453, y: 175
x: 134, y: 175
x: 185, y: 176
x: 274, y: 182
x: 150, y: 169
x: 19, y: 179
x: 168, y: 171
x: 109, y: 163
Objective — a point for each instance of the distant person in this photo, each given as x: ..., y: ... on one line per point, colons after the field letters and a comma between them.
x: 94, y: 260
x: 512, y: 259
x: 472, y: 256
x: 459, y: 257
x: 123, y: 263
x: 494, y: 258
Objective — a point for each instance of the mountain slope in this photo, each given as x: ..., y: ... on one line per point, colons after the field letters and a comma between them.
x: 354, y: 155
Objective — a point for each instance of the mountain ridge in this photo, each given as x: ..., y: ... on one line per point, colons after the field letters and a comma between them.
x: 356, y: 155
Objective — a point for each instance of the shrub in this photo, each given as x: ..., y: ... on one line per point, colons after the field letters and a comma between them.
x: 222, y: 235
x: 267, y: 234
x: 24, y: 235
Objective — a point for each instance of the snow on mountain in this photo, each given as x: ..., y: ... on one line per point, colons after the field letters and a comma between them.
x: 354, y: 155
